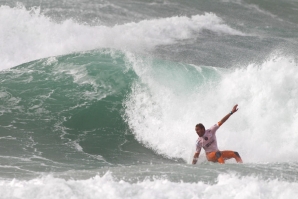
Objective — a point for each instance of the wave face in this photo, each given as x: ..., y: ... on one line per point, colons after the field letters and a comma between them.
x: 61, y: 110
x: 94, y: 104
x: 104, y: 95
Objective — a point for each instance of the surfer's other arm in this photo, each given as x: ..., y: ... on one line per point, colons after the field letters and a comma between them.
x: 195, y: 158
x: 235, y: 109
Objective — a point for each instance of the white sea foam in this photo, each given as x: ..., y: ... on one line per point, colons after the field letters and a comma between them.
x: 162, y: 110
x: 27, y: 35
x: 227, y: 186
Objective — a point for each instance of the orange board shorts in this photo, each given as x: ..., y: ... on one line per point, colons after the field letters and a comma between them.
x: 221, y: 156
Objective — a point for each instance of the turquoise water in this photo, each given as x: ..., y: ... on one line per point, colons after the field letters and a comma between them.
x: 100, y: 99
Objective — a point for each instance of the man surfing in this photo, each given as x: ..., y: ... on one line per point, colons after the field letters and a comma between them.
x: 207, y: 140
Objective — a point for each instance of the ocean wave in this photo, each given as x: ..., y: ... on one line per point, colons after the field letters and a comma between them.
x: 112, y: 104
x: 170, y: 99
x: 227, y: 186
x: 23, y: 43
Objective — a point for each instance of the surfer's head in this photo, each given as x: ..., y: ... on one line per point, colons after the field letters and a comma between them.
x: 200, y: 129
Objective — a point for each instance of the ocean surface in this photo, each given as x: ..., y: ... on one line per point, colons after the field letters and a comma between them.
x: 99, y: 99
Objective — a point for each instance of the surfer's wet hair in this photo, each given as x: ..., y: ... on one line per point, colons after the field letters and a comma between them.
x: 200, y: 126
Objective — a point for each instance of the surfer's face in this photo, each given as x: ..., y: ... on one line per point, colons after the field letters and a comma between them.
x: 200, y: 131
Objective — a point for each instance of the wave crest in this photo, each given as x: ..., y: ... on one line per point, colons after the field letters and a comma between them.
x: 28, y: 35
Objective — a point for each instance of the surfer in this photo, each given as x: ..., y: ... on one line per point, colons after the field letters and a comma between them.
x: 207, y: 140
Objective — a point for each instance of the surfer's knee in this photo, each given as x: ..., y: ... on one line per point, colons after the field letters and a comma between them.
x: 238, y: 158
x: 218, y: 154
x: 237, y: 154
x: 219, y: 157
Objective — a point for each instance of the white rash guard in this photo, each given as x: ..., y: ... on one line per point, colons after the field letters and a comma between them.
x: 208, y: 140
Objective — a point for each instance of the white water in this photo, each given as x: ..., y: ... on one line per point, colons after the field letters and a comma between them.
x: 164, y: 106
x: 27, y: 35
x: 163, y: 110
x: 227, y: 186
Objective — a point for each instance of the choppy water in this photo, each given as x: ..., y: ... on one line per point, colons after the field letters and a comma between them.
x: 99, y: 99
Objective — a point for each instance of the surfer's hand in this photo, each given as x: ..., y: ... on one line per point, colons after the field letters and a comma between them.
x: 223, y: 120
x: 235, y: 109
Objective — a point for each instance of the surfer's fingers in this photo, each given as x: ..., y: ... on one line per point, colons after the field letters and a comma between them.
x: 235, y: 108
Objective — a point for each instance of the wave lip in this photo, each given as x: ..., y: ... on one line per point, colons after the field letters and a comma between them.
x: 28, y: 35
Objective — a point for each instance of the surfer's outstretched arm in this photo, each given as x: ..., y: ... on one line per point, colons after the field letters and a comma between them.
x: 195, y: 158
x: 235, y: 109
